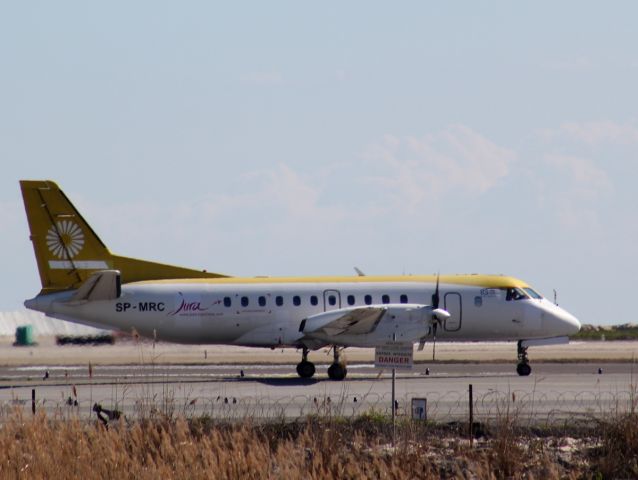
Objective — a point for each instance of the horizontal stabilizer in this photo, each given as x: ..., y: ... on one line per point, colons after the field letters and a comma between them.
x: 101, y: 285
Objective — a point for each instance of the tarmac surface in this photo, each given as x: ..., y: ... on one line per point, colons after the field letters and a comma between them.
x: 128, y: 351
x: 143, y: 381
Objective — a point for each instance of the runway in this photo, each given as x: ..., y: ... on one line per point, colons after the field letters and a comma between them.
x: 127, y: 352
x: 554, y: 393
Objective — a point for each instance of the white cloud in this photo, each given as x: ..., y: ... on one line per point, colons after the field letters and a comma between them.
x: 289, y: 190
x: 579, y: 188
x: 280, y: 188
x: 585, y: 179
x: 590, y: 172
x: 595, y: 132
x: 603, y: 131
x: 457, y: 160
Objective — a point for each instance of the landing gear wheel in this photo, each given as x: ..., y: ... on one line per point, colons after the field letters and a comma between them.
x: 523, y: 369
x: 337, y: 371
x: 305, y: 369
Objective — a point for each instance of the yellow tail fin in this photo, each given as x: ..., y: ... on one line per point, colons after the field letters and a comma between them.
x: 67, y: 249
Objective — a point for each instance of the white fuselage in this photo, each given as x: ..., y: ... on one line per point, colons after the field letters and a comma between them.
x: 270, y: 314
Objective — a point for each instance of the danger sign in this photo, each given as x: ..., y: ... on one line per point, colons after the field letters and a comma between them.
x: 394, y: 355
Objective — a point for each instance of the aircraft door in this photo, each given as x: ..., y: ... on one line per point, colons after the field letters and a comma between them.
x: 453, y: 304
x: 331, y: 300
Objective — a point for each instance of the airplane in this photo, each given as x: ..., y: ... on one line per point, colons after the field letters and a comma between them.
x: 83, y: 282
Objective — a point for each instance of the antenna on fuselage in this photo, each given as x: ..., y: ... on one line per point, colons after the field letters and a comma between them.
x: 555, y: 297
x: 359, y: 272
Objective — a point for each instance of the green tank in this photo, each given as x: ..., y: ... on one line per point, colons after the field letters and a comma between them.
x: 24, y: 335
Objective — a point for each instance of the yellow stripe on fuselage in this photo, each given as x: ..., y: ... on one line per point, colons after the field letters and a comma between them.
x: 485, y: 281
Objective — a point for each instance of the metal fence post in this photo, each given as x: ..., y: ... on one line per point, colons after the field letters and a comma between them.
x: 471, y: 417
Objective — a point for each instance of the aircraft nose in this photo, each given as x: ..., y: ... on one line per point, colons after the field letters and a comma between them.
x: 558, y: 322
x: 569, y: 322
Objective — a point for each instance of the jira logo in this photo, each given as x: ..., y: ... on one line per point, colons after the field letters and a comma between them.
x: 66, y: 240
x: 187, y: 306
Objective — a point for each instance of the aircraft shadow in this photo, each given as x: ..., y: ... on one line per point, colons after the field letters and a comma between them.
x: 292, y: 382
x: 285, y: 382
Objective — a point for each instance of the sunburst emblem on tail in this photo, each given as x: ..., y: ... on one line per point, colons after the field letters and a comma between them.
x: 67, y: 241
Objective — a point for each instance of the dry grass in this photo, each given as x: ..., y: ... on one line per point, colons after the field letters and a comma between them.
x: 40, y: 447
x: 617, y: 454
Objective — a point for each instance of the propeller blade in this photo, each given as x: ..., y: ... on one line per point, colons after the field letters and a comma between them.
x: 435, y: 296
x: 439, y: 315
x: 434, y: 341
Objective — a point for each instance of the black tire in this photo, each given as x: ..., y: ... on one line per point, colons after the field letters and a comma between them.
x: 337, y: 371
x: 305, y: 369
x: 523, y: 369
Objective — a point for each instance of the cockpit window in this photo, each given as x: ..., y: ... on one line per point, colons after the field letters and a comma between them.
x: 515, y: 294
x: 533, y: 293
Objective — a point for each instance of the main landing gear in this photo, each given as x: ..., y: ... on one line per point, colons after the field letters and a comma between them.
x: 305, y: 369
x: 523, y: 368
x: 338, y: 370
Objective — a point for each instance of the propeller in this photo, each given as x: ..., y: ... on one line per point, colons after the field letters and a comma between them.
x: 435, y: 318
x: 439, y: 315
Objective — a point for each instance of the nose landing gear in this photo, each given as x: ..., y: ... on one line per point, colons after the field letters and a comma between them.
x: 305, y: 369
x: 523, y: 368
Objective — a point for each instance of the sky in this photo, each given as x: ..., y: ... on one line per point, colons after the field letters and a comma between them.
x: 289, y: 138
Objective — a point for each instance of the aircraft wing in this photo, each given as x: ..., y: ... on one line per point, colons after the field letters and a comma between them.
x: 355, y: 321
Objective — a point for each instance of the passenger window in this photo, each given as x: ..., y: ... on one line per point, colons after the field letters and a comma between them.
x: 314, y: 300
x: 332, y: 300
x: 403, y: 298
x: 296, y: 300
x: 227, y: 302
x: 368, y: 299
x: 279, y: 300
x: 385, y: 299
x: 244, y: 301
x: 350, y: 299
x: 262, y: 301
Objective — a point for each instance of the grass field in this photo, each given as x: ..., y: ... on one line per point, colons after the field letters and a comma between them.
x: 614, y: 332
x: 37, y: 447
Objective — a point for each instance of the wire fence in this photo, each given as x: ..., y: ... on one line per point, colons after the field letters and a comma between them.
x: 144, y: 401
